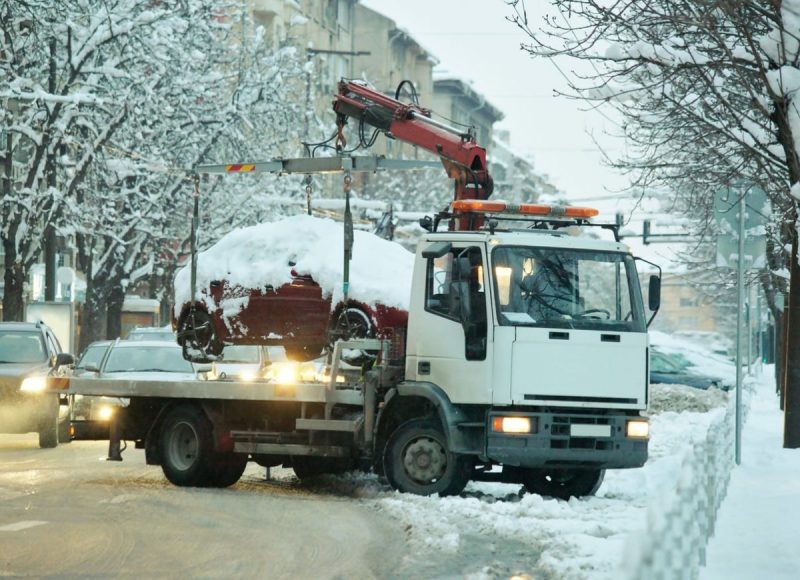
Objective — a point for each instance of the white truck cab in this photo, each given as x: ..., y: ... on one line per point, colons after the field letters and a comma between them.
x: 535, y: 343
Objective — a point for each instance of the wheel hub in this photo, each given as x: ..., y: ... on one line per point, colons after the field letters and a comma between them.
x: 183, y: 446
x: 425, y: 460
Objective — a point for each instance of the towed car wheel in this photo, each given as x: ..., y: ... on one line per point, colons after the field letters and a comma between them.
x: 196, y: 335
x: 563, y: 483
x: 353, y: 323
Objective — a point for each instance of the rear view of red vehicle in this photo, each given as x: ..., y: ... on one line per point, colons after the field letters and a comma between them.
x: 251, y: 290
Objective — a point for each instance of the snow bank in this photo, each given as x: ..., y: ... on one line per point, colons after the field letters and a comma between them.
x: 680, y: 398
x: 259, y: 256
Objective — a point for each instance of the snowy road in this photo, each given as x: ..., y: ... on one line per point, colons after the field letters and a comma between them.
x: 65, y: 512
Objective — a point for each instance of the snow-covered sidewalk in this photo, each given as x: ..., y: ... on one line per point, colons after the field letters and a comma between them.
x: 756, y: 529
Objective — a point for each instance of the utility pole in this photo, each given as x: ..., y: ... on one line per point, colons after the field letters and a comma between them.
x: 739, y: 308
x: 50, y: 168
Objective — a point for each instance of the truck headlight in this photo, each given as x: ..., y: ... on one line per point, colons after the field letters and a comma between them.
x: 33, y: 384
x: 511, y: 424
x: 637, y: 429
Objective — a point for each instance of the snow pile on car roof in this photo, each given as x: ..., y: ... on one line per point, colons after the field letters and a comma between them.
x: 259, y: 256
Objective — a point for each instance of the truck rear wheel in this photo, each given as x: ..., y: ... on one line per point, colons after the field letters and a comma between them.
x: 228, y: 469
x: 187, y: 447
x: 418, y: 461
x: 563, y: 483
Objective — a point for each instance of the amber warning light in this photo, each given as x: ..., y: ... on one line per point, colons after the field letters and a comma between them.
x: 480, y: 206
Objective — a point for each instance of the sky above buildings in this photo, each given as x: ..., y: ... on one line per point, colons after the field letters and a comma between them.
x: 474, y: 40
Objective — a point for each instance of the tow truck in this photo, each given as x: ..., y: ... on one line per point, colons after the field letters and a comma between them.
x: 525, y: 358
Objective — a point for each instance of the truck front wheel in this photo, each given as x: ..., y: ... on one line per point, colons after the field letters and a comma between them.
x: 563, y: 483
x: 418, y: 461
x: 187, y: 447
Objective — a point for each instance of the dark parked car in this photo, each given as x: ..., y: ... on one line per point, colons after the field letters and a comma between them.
x: 675, y: 370
x: 29, y: 352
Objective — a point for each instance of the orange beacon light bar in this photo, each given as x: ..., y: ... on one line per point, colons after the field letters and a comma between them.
x: 481, y: 206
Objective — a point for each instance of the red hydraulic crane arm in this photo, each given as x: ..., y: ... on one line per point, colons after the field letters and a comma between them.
x: 463, y: 159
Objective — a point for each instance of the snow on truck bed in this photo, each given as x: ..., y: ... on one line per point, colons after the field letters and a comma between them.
x: 258, y: 256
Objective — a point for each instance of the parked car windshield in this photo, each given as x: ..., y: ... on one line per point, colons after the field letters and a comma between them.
x: 21, y: 346
x: 93, y: 355
x: 241, y: 353
x: 562, y: 288
x: 147, y: 359
x: 660, y: 363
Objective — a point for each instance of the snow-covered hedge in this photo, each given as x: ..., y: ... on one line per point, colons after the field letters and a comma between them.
x: 680, y: 522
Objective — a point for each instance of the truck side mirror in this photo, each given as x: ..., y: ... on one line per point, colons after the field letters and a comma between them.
x: 459, y: 301
x: 654, y: 293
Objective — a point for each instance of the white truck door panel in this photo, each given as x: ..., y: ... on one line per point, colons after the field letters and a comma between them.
x: 440, y: 358
x: 579, y: 368
x: 501, y: 378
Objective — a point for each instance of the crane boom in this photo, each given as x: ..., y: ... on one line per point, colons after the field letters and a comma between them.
x: 463, y: 159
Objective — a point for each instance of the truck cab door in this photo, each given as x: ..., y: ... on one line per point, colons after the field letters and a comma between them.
x: 448, y: 340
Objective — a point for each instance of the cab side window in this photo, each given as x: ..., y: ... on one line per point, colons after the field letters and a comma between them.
x: 456, y: 290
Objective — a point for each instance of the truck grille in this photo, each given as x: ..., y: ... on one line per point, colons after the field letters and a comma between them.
x: 561, y: 438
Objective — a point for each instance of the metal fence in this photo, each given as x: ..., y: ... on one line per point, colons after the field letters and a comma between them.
x: 679, y: 524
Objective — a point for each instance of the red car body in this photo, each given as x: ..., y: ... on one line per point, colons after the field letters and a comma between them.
x: 295, y: 315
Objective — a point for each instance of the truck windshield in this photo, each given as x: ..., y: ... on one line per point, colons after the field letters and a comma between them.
x: 562, y: 288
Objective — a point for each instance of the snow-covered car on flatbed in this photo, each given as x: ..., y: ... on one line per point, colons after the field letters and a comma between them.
x: 280, y: 283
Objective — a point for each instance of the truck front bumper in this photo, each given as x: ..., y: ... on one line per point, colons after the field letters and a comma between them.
x: 564, y: 440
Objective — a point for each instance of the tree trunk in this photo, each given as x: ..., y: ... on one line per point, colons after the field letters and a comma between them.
x: 94, y: 311
x: 791, y: 428
x: 116, y: 297
x: 161, y: 288
x: 14, y: 278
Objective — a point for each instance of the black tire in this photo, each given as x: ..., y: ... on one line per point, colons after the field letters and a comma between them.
x: 228, y: 469
x: 563, y: 483
x: 63, y: 431
x: 351, y: 323
x: 48, y: 434
x: 416, y: 460
x: 198, y: 338
x: 186, y: 447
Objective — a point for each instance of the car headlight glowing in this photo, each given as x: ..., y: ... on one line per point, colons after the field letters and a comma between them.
x: 105, y: 412
x: 637, y: 429
x: 285, y: 374
x: 34, y: 385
